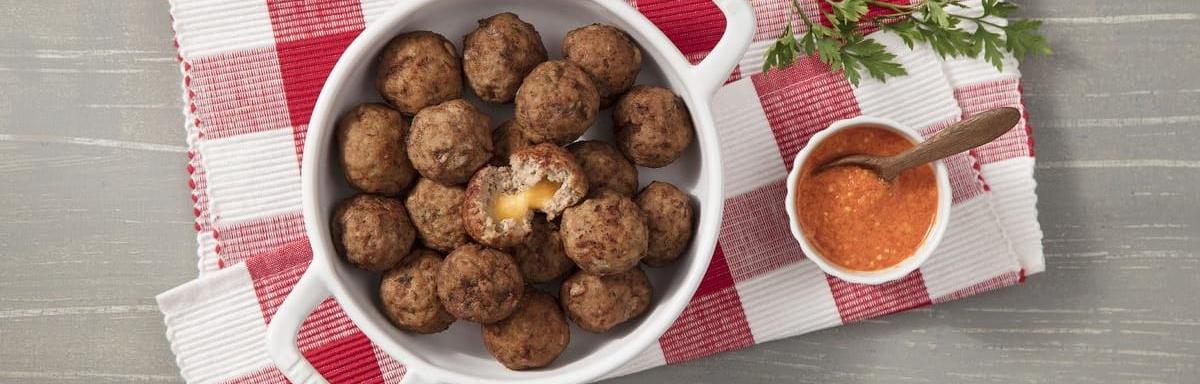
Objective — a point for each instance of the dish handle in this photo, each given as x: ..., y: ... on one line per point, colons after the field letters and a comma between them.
x: 740, y: 25
x: 306, y: 295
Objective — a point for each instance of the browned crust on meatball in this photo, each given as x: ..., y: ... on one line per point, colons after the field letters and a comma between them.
x: 498, y: 54
x: 507, y: 138
x: 653, y: 126
x: 408, y: 294
x: 541, y: 255
x: 450, y: 141
x: 545, y: 161
x: 477, y: 217
x: 419, y: 69
x: 372, y: 150
x: 533, y: 336
x: 605, y: 167
x: 669, y: 217
x: 608, y: 55
x: 605, y: 234
x: 372, y: 232
x: 599, y: 303
x: 479, y: 284
x: 556, y: 103
x: 436, y: 212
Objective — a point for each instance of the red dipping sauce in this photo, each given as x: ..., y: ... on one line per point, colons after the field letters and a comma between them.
x: 855, y: 219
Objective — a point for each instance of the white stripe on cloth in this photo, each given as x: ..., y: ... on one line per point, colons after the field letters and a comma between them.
x: 1015, y: 200
x: 751, y: 155
x: 252, y: 175
x: 215, y: 326
x: 205, y: 27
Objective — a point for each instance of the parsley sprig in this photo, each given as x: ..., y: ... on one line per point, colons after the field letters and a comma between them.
x: 840, y: 43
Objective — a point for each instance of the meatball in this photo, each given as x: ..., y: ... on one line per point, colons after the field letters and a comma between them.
x: 605, y: 234
x: 669, y: 218
x: 419, y: 69
x: 556, y: 103
x: 652, y: 126
x: 608, y: 55
x: 598, y: 303
x: 498, y: 54
x: 372, y: 232
x: 408, y: 293
x: 605, y: 167
x: 450, y: 141
x: 506, y: 139
x: 479, y: 284
x: 500, y: 202
x: 371, y: 142
x: 533, y: 336
x: 541, y: 255
x: 435, y: 210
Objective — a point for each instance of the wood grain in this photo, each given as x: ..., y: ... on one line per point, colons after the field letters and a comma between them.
x: 95, y: 217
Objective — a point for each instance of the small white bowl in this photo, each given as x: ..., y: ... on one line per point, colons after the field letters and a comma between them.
x: 895, y: 272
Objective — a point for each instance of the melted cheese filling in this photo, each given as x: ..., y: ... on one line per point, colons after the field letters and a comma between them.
x: 515, y: 206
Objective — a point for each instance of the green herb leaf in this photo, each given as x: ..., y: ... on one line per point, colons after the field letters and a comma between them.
x: 849, y: 10
x: 842, y: 47
x: 1021, y: 38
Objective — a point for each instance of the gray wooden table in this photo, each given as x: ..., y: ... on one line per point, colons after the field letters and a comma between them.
x: 95, y: 215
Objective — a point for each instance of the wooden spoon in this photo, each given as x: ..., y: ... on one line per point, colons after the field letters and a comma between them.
x: 970, y: 133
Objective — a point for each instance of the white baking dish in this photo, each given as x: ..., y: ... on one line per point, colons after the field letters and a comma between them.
x: 458, y: 355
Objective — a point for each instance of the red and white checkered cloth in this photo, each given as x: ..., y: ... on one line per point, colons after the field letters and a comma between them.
x: 252, y: 71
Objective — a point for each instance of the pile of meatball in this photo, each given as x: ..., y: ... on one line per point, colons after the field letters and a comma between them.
x: 466, y: 222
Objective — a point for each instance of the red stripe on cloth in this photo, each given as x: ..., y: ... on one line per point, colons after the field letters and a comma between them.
x: 755, y: 233
x: 305, y: 64
x: 801, y: 100
x: 713, y: 321
x: 240, y: 241
x: 328, y: 338
x: 274, y: 273
x: 693, y: 25
x: 349, y: 360
x: 268, y: 375
x: 978, y: 98
x: 293, y: 20
x: 237, y: 92
x: 326, y: 324
x: 1000, y: 281
x: 860, y: 301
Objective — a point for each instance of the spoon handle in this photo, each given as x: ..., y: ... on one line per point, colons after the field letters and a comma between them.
x: 978, y: 130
